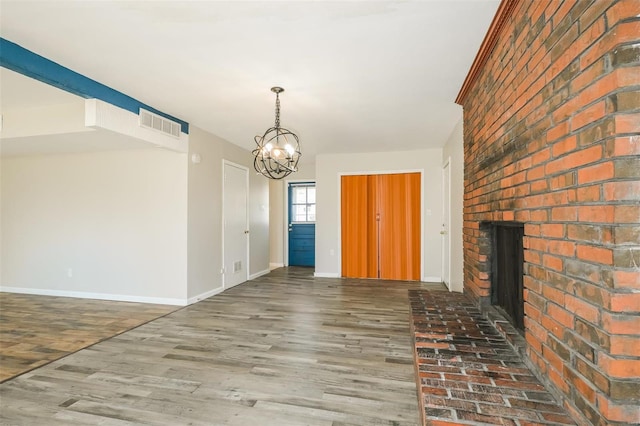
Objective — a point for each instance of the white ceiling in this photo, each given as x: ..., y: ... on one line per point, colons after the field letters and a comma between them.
x: 358, y: 75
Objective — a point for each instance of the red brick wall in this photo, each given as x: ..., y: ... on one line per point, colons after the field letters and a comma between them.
x: 551, y: 139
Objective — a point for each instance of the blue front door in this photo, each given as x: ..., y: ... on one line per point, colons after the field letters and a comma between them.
x: 302, y: 226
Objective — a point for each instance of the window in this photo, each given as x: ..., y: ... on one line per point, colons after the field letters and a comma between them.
x: 303, y: 203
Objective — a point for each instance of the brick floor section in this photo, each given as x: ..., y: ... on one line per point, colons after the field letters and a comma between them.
x: 467, y: 373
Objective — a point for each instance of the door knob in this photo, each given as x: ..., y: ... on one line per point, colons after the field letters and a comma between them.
x: 443, y: 232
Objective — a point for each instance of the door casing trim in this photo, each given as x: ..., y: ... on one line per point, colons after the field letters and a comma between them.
x: 446, y: 168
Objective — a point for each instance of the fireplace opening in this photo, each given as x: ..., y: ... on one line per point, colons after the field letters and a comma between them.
x: 508, y: 271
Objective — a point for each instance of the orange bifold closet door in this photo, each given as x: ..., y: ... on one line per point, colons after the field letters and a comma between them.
x: 359, y: 229
x: 381, y: 226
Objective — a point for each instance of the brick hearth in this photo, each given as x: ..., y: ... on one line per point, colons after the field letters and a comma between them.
x: 467, y: 373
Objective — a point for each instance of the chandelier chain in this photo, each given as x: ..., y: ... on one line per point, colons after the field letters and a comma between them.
x: 277, y: 110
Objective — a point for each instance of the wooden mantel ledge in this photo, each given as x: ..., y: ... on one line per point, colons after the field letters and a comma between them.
x: 505, y: 10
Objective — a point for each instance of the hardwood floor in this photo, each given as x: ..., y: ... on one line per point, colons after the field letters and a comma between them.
x: 35, y: 330
x: 284, y: 349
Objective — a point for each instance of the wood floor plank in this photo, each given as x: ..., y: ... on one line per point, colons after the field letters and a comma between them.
x: 35, y: 330
x: 284, y: 349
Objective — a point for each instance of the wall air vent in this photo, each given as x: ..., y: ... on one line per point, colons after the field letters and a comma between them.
x: 158, y: 123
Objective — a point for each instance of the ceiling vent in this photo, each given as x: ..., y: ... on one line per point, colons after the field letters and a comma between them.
x: 158, y: 123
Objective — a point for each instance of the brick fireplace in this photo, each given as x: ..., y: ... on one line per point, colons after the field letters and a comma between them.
x: 552, y: 142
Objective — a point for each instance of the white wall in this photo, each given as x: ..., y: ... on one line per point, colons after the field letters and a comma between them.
x: 278, y: 211
x: 1, y: 209
x: 45, y: 120
x: 328, y: 170
x: 204, y: 252
x: 276, y: 224
x: 454, y: 151
x: 105, y: 224
x: 205, y: 213
x: 141, y: 225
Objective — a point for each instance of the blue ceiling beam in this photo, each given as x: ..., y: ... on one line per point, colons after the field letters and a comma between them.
x: 23, y: 61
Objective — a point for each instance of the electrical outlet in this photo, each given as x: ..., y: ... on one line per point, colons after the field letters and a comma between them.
x: 69, y: 272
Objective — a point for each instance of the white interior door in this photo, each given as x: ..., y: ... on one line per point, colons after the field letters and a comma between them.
x: 446, y: 209
x: 235, y: 248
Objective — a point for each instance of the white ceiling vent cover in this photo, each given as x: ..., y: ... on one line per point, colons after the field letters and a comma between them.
x: 158, y: 123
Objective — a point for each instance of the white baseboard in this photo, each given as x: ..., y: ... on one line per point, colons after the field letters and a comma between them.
x: 259, y: 274
x: 432, y: 279
x: 326, y: 275
x: 205, y: 295
x: 98, y: 296
x: 273, y: 266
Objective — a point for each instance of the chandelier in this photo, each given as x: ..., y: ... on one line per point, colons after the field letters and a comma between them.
x: 278, y: 149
